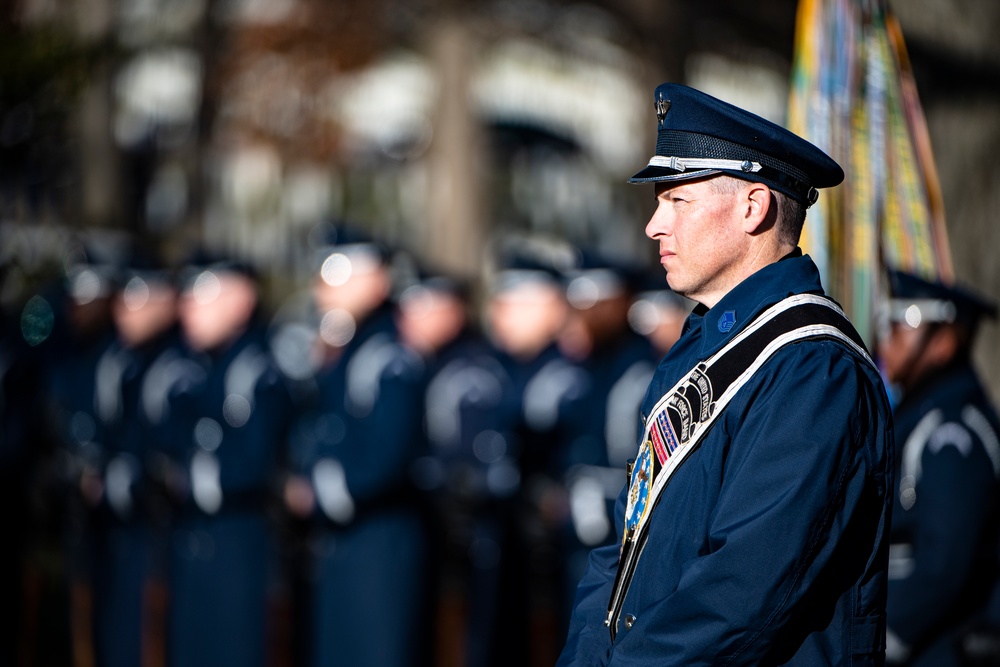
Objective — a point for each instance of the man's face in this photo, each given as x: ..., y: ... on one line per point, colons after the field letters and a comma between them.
x: 523, y: 320
x: 144, y: 310
x: 216, y: 308
x: 429, y: 320
x: 897, y: 350
x: 357, y: 285
x: 909, y: 354
x: 698, y: 229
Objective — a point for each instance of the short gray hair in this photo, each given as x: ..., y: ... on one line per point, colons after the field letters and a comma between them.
x: 790, y: 214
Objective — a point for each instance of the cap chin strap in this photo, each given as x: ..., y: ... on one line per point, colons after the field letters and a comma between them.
x: 685, y: 163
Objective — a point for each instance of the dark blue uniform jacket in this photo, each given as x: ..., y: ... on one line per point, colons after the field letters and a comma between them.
x: 769, y: 546
x: 944, y: 527
x: 358, y: 443
x: 233, y: 423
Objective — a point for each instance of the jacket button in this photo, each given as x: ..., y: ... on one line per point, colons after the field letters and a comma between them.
x: 629, y: 621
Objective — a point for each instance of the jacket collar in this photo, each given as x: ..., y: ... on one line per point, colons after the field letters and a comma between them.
x: 793, y: 274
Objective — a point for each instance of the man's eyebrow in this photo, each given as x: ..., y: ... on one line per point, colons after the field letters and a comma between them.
x: 676, y: 191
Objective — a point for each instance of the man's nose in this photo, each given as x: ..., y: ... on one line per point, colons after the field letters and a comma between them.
x: 657, y: 225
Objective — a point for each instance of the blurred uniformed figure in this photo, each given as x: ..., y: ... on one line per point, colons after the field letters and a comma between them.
x: 351, y: 456
x: 469, y: 472
x: 71, y: 327
x: 526, y: 312
x: 658, y: 313
x: 618, y: 364
x: 129, y: 524
x: 945, y: 519
x: 232, y: 424
x: 78, y: 332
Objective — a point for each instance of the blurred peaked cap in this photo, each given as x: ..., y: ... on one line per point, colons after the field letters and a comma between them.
x: 203, y: 259
x: 699, y: 135
x: 522, y: 262
x: 340, y: 234
x: 92, y: 267
x: 346, y: 239
x: 595, y: 259
x: 87, y: 282
x: 654, y: 289
x: 436, y: 282
x: 143, y: 264
x: 917, y: 300
x: 598, y: 277
x: 97, y: 248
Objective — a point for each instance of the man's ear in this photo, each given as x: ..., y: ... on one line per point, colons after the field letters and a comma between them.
x: 759, y: 209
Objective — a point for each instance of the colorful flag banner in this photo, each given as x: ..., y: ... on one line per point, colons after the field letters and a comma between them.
x: 853, y: 94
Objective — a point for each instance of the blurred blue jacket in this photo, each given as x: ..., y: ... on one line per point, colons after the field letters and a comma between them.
x: 944, y: 529
x: 357, y: 442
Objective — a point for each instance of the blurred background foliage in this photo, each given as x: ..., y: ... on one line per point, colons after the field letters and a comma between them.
x: 441, y: 125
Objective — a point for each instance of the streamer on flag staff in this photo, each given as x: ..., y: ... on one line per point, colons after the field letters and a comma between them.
x: 853, y: 94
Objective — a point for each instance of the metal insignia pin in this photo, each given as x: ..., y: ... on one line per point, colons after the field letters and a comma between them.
x: 662, y: 107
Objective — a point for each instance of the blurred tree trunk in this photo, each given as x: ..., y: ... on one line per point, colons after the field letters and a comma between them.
x: 100, y: 180
x: 99, y: 171
x: 458, y: 164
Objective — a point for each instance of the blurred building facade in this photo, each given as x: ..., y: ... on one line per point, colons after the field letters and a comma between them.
x: 243, y: 123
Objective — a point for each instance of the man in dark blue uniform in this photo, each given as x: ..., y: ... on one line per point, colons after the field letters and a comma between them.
x: 469, y: 471
x: 71, y: 328
x: 658, y: 313
x: 944, y: 524
x: 131, y: 433
x: 526, y: 313
x: 755, y: 522
x: 351, y: 457
x: 231, y: 424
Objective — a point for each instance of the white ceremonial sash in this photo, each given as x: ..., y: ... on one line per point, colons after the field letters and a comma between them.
x: 680, y: 420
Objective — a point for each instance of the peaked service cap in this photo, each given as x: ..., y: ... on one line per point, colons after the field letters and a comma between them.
x: 347, y: 239
x: 916, y: 300
x: 523, y: 262
x: 699, y: 135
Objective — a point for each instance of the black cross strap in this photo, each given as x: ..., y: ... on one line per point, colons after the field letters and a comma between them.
x: 683, y: 416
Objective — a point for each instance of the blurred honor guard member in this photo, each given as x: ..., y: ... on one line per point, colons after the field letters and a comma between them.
x: 232, y: 425
x: 755, y: 521
x: 128, y: 404
x: 618, y: 364
x: 351, y: 456
x: 468, y: 472
x: 526, y: 311
x: 659, y: 313
x: 944, y: 524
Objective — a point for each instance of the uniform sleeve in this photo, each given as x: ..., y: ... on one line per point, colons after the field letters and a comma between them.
x: 796, y: 522
x: 588, y: 641
x: 260, y: 439
x: 377, y: 456
x: 955, y: 496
